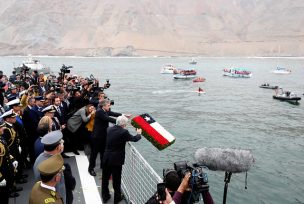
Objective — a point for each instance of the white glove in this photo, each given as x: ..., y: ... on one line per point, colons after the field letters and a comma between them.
x: 15, y: 164
x: 3, y: 182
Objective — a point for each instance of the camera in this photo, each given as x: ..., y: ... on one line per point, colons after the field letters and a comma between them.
x: 24, y: 68
x: 161, y: 191
x: 65, y: 69
x: 107, y: 85
x: 111, y: 101
x: 198, y: 181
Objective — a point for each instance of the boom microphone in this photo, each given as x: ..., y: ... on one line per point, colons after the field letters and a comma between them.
x: 228, y: 160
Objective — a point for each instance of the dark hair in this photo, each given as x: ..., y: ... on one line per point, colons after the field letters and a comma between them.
x: 172, y: 180
x: 46, y: 178
x: 43, y: 129
x: 50, y: 148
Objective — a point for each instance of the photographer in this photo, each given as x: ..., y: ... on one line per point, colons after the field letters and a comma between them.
x: 172, y: 180
x: 177, y: 197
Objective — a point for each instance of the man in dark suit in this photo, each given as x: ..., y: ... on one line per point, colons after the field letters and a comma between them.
x: 114, y: 157
x: 101, y: 123
x: 30, y: 121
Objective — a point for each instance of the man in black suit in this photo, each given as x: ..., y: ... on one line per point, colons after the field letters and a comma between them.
x: 114, y: 157
x: 30, y: 121
x: 101, y: 123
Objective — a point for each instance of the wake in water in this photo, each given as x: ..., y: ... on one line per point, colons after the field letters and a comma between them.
x: 175, y: 91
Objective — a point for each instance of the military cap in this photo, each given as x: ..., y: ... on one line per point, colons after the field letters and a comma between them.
x: 39, y: 98
x: 49, y: 108
x: 8, y: 114
x: 12, y: 87
x: 52, y: 138
x: 11, y: 97
x: 51, y: 166
x: 14, y: 102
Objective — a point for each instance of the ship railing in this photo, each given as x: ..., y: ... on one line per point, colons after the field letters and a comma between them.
x: 138, y: 180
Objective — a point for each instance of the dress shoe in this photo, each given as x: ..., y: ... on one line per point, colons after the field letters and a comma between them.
x: 117, y: 200
x: 76, y: 152
x: 13, y: 195
x: 106, y: 198
x: 24, y: 176
x: 17, y: 189
x: 92, y: 172
x: 64, y: 155
x: 21, y: 181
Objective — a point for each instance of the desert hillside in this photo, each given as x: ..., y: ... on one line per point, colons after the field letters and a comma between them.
x: 152, y: 27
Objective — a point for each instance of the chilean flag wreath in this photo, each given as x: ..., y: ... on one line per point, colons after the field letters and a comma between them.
x: 153, y: 131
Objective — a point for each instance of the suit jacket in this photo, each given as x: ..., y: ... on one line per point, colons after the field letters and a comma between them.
x: 115, y: 148
x: 30, y: 122
x: 101, y: 123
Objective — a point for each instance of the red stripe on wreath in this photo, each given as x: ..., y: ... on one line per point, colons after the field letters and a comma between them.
x: 150, y: 130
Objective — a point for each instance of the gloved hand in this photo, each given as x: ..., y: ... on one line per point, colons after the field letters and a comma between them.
x: 3, y: 182
x: 15, y: 164
x: 138, y: 131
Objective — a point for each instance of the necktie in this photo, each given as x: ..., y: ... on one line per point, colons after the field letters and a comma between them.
x: 58, y: 110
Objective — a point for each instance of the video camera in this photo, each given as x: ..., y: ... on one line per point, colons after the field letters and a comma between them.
x: 65, y: 69
x: 24, y: 68
x: 198, y: 181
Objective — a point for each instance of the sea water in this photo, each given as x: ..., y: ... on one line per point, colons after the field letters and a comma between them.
x: 234, y: 113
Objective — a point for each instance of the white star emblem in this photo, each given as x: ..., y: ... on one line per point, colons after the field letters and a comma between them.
x: 147, y: 118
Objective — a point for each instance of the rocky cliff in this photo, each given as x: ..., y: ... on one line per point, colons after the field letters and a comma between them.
x: 152, y: 27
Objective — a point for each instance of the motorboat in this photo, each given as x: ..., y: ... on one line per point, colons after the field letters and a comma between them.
x: 237, y: 73
x: 286, y: 96
x: 185, y: 74
x: 281, y: 70
x: 192, y: 61
x: 267, y: 86
x: 168, y: 69
x: 31, y: 64
x: 199, y: 79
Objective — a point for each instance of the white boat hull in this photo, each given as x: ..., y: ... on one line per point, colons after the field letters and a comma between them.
x: 237, y: 75
x: 178, y: 76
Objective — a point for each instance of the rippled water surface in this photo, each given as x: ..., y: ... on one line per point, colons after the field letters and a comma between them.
x: 233, y: 113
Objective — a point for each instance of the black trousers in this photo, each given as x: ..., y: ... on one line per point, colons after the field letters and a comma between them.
x: 115, y: 171
x: 4, y: 194
x: 97, y: 146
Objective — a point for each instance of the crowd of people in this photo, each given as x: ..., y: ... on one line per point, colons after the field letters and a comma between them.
x: 42, y: 117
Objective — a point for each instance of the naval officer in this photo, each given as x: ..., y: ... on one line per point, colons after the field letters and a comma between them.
x: 44, y: 191
x: 53, y: 144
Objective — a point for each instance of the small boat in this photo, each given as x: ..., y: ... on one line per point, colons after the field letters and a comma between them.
x: 168, y: 69
x: 192, y: 61
x: 199, y: 79
x: 286, y: 96
x: 281, y: 70
x: 32, y: 65
x: 267, y: 86
x: 185, y: 74
x: 237, y: 73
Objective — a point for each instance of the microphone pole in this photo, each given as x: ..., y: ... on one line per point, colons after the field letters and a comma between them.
x: 226, y: 180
